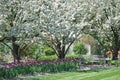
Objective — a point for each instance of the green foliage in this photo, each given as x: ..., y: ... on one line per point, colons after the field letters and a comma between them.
x: 80, y: 48
x: 114, y: 62
x: 49, y: 52
x: 87, y: 63
x: 72, y: 56
x: 32, y: 51
x: 43, y: 57
x: 54, y: 57
x: 4, y: 49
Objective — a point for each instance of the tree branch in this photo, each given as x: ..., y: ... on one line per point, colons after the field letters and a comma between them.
x: 7, y: 45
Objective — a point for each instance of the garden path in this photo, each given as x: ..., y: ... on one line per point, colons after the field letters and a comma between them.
x: 93, y: 67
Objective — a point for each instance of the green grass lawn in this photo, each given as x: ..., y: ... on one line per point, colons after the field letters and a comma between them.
x: 109, y: 74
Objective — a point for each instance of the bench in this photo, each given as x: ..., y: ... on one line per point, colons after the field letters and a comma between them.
x: 94, y: 59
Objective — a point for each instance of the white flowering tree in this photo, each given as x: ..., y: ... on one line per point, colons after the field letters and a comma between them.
x: 57, y: 22
x: 15, y: 25
x: 105, y: 22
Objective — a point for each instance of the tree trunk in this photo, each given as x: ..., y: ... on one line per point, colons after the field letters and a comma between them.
x: 116, y: 43
x: 61, y: 56
x: 60, y: 50
x: 116, y: 46
x: 15, y: 50
x: 115, y: 53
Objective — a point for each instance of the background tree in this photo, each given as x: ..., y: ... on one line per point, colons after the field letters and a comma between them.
x: 56, y: 22
x: 104, y: 17
x: 14, y: 25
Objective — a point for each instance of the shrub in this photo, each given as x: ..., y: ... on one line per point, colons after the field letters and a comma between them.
x: 49, y: 52
x: 87, y: 63
x: 72, y: 56
x: 31, y: 51
x: 114, y: 62
x: 54, y: 57
x: 80, y: 48
x: 43, y: 57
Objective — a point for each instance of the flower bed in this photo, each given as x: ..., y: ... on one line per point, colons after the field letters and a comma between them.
x: 31, y: 67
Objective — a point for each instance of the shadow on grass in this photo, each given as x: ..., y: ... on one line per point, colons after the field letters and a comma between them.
x: 92, y: 70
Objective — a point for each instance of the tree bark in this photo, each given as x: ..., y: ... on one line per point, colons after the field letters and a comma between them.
x: 15, y: 50
x: 61, y: 56
x: 115, y: 53
x: 60, y: 50
x: 116, y: 43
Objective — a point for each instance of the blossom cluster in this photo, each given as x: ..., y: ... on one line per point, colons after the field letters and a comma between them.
x: 109, y: 52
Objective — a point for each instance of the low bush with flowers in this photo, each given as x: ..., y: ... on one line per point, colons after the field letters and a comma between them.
x: 119, y: 52
x: 109, y: 54
x: 12, y: 70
